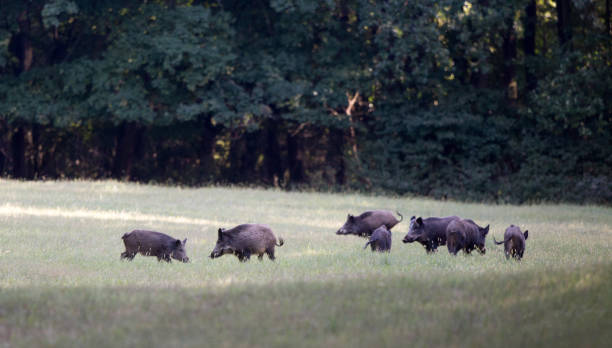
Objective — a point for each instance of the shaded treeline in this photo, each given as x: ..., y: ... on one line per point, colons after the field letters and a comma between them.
x: 489, y: 99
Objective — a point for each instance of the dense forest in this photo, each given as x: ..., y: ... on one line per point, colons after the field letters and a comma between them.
x: 495, y: 100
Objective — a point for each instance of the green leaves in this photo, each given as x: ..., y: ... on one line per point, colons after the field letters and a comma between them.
x: 431, y: 79
x: 55, y: 12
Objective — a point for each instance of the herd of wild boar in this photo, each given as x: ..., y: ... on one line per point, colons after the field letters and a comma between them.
x: 256, y: 239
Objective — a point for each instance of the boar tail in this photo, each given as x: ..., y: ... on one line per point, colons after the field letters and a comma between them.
x: 366, y: 245
x: 400, y: 215
x: 125, y: 235
x: 280, y: 242
x: 498, y: 243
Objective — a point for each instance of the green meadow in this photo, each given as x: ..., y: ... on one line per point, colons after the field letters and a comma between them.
x: 63, y: 284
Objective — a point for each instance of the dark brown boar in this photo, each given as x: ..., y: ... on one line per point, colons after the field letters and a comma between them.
x: 364, y: 224
x: 429, y: 232
x: 245, y: 240
x: 151, y: 243
x: 380, y: 240
x: 467, y: 235
x: 514, y: 242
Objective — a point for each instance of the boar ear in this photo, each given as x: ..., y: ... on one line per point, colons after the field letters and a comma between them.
x: 412, y: 218
x: 350, y: 217
x: 220, y: 233
x: 185, y: 241
x: 177, y: 242
x: 419, y: 220
x: 485, y: 230
x: 526, y: 234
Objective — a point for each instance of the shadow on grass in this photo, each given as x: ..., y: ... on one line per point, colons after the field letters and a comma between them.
x: 564, y: 308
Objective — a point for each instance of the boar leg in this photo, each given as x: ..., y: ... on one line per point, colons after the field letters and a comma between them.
x: 260, y: 257
x: 431, y: 247
x: 127, y: 255
x: 244, y: 256
x: 270, y: 253
x: 452, y: 248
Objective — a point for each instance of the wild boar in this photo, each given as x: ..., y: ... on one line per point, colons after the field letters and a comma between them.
x: 245, y: 240
x: 380, y: 240
x: 150, y: 243
x: 364, y: 224
x: 429, y: 232
x: 514, y: 242
x: 467, y: 235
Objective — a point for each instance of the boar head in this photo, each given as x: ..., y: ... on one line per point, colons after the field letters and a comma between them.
x: 178, y: 253
x: 223, y: 246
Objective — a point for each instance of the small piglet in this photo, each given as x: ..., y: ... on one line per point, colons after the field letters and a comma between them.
x: 150, y: 243
x: 245, y: 240
x: 380, y: 240
x: 514, y: 242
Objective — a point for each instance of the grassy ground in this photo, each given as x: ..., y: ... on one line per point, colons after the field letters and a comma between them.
x: 62, y: 283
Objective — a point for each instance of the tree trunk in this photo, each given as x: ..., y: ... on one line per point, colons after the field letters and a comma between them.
x: 273, y: 172
x: 37, y: 152
x: 4, y: 156
x: 529, y: 44
x: 564, y: 29
x: 127, y: 141
x: 18, y: 148
x: 206, y: 150
x: 509, y: 49
x: 335, y: 154
x: 250, y: 155
x: 237, y: 149
x: 294, y: 158
x: 608, y: 27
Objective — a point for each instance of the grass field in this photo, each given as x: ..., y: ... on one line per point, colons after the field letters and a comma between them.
x: 62, y: 282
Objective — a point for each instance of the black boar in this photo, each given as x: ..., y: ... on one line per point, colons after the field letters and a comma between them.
x: 364, y: 224
x: 245, y: 240
x: 150, y: 243
x: 429, y: 232
x: 467, y: 235
x: 380, y: 240
x: 514, y: 242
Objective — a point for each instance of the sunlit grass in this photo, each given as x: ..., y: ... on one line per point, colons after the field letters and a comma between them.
x: 62, y: 283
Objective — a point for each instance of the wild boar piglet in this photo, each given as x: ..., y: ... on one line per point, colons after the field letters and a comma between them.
x: 514, y: 242
x: 151, y: 243
x: 380, y: 240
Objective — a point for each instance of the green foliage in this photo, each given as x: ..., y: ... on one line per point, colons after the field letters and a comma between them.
x: 56, y: 12
x: 433, y: 95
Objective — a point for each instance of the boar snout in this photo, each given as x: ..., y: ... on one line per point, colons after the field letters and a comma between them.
x: 408, y: 239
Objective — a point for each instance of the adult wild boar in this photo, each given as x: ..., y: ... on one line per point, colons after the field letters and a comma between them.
x: 514, y: 242
x: 429, y: 232
x: 245, y: 240
x: 467, y: 235
x: 364, y: 224
x: 150, y: 243
x: 380, y: 240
